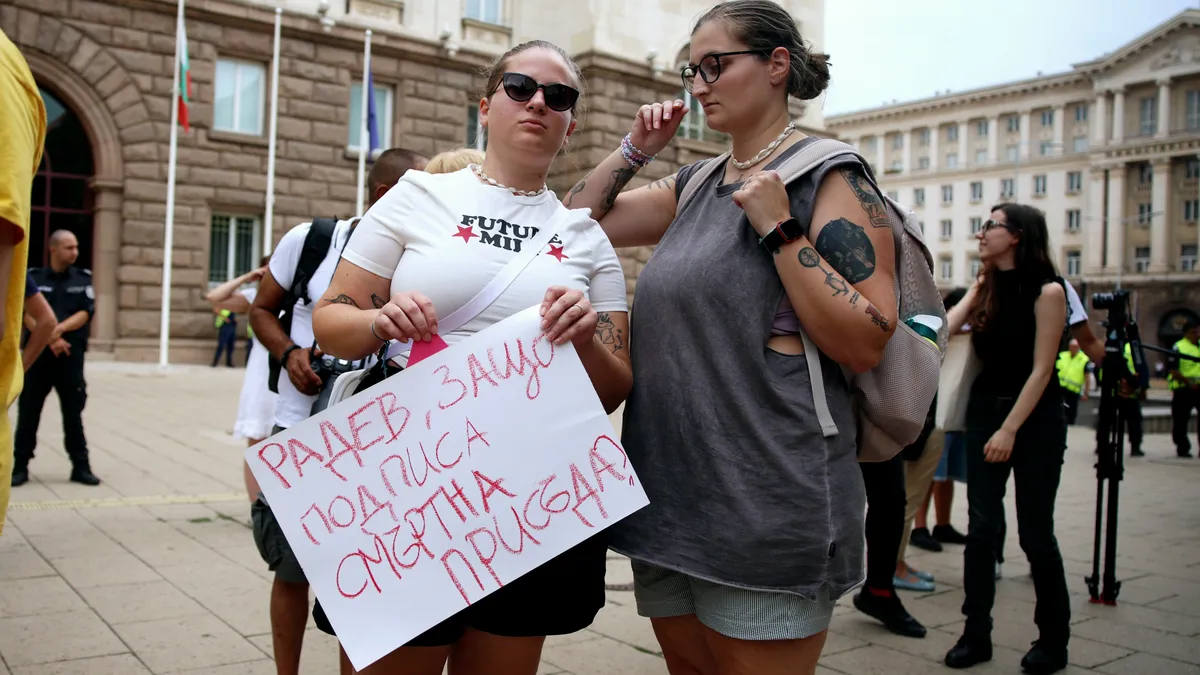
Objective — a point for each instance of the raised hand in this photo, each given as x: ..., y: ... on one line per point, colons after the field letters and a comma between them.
x: 655, y: 124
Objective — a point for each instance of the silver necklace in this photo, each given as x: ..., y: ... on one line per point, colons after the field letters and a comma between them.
x: 765, y: 152
x: 492, y: 181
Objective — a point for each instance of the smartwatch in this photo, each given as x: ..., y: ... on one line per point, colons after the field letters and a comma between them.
x: 784, y: 233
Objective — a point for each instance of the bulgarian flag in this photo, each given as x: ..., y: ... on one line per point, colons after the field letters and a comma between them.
x: 185, y: 77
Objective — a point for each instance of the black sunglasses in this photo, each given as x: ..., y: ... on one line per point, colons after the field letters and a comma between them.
x: 987, y: 226
x: 521, y: 88
x: 709, y: 68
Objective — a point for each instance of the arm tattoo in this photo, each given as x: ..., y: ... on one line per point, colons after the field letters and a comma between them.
x: 620, y: 178
x: 579, y: 187
x: 809, y: 258
x: 877, y: 211
x: 342, y: 299
x: 878, y: 318
x: 608, y: 333
x: 854, y: 299
x: 377, y: 301
x: 667, y: 183
x: 848, y: 250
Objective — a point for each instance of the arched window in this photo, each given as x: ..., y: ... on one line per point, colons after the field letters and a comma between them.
x: 61, y: 198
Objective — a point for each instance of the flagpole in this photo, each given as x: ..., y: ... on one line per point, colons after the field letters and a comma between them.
x: 268, y: 218
x: 364, y: 141
x: 164, y: 329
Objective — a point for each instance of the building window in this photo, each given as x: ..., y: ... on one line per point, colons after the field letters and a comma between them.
x: 1007, y: 188
x: 947, y: 228
x: 1141, y: 258
x: 1144, y: 214
x: 898, y: 142
x: 1047, y: 118
x: 976, y: 225
x: 1193, y: 168
x: 1145, y: 174
x: 1081, y: 112
x: 952, y: 160
x: 1187, y: 258
x: 897, y: 166
x: 1014, y: 124
x: 694, y: 126
x: 1074, y: 181
x: 487, y: 11
x: 1074, y: 220
x: 476, y: 132
x: 234, y: 246
x: 1148, y: 116
x: 1191, y: 210
x: 1039, y: 185
x: 1193, y: 110
x: 947, y: 265
x: 952, y: 133
x: 923, y: 163
x: 1046, y: 148
x: 383, y: 116
x: 893, y: 195
x: 981, y: 128
x: 980, y: 157
x: 923, y: 137
x: 919, y: 196
x: 870, y: 143
x: 1080, y: 144
x: 976, y: 192
x: 1073, y: 263
x: 1010, y: 153
x: 947, y: 194
x: 976, y: 265
x: 238, y: 97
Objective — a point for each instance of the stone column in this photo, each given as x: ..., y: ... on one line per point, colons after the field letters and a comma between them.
x: 963, y: 134
x: 1100, y: 120
x: 1093, y: 223
x: 994, y: 139
x: 934, y: 133
x: 1164, y: 113
x: 1115, y: 262
x: 1023, y: 150
x: 906, y: 155
x: 1060, y: 127
x: 880, y: 149
x: 1160, y: 191
x: 106, y: 233
x: 1118, y: 130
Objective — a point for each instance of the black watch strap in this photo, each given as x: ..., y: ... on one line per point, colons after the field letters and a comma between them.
x: 288, y: 352
x: 784, y: 233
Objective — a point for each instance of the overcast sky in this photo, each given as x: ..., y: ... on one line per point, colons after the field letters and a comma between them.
x: 908, y: 49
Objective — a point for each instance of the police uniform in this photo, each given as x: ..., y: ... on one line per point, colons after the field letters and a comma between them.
x: 68, y: 292
x: 1185, y: 394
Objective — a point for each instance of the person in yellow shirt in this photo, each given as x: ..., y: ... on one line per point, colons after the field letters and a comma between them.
x: 22, y: 136
x: 1185, y: 388
x: 1072, y: 378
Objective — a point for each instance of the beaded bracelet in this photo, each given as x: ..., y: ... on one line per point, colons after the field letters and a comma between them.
x: 632, y: 155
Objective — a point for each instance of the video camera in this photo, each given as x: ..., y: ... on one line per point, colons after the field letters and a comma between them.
x: 328, y: 368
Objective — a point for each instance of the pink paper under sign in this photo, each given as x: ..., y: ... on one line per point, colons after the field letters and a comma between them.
x: 422, y: 350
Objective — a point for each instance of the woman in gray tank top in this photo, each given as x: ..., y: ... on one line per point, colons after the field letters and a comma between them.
x: 755, y: 522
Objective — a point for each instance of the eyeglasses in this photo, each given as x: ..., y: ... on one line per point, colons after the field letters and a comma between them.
x: 521, y: 88
x: 991, y: 224
x: 709, y: 68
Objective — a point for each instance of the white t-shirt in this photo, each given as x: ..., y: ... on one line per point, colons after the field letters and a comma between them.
x: 448, y: 235
x: 293, y: 407
x: 1075, y: 312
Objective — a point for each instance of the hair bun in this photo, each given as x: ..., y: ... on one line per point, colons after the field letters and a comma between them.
x: 810, y: 75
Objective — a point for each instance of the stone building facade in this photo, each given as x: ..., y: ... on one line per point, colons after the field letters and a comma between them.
x: 105, y: 70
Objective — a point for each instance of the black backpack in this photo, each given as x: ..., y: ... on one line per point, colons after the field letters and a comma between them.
x: 316, y: 247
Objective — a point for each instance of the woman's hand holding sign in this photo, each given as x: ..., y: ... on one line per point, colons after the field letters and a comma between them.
x: 409, y: 315
x: 567, y: 315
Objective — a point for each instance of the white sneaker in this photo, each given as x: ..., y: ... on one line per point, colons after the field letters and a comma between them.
x: 998, y: 573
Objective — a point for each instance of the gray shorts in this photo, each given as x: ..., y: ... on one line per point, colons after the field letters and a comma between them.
x: 733, y: 612
x: 273, y: 546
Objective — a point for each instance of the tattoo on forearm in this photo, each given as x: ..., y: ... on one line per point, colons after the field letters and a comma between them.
x: 854, y: 299
x: 878, y: 318
x: 848, y: 250
x: 377, y: 301
x: 809, y: 258
x: 877, y: 212
x: 667, y: 183
x: 608, y: 333
x: 342, y: 299
x: 617, y: 182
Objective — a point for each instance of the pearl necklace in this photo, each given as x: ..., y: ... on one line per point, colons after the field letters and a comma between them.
x: 765, y: 152
x: 492, y: 181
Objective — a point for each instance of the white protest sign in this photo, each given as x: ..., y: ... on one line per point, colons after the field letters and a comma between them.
x: 437, y: 486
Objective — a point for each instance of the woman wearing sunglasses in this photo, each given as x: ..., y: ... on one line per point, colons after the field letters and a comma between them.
x: 755, y: 523
x: 430, y: 245
x: 1017, y: 313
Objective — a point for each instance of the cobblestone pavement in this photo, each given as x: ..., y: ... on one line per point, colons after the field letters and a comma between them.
x: 156, y: 572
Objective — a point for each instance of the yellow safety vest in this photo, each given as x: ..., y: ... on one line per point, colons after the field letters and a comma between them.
x: 1136, y: 393
x: 1189, y: 369
x: 222, y: 317
x: 1071, y: 371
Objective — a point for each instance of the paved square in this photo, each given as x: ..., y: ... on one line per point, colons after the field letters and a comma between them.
x: 155, y: 571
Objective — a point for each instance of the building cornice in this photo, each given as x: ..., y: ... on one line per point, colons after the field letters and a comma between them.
x: 1188, y: 18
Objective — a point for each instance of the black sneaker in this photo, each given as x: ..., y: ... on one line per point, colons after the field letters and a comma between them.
x: 969, y: 651
x: 921, y: 538
x: 84, y: 476
x: 1044, y: 659
x: 891, y: 612
x: 948, y: 535
x: 20, y: 477
x: 1136, y: 452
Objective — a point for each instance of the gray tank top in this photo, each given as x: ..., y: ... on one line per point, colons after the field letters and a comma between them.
x: 744, y: 489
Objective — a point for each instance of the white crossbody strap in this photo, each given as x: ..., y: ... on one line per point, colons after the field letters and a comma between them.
x: 496, y: 286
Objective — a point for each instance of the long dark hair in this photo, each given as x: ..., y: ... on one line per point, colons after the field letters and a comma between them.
x: 1032, y: 260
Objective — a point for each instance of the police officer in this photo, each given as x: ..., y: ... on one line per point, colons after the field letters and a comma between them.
x: 69, y: 291
x: 1185, y: 388
x: 1072, y: 378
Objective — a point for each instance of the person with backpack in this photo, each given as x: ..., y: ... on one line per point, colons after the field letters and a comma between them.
x: 767, y: 296
x: 1015, y: 423
x: 433, y: 245
x: 297, y: 276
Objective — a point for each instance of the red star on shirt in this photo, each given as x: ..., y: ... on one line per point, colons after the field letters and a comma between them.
x: 557, y: 252
x: 466, y: 233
